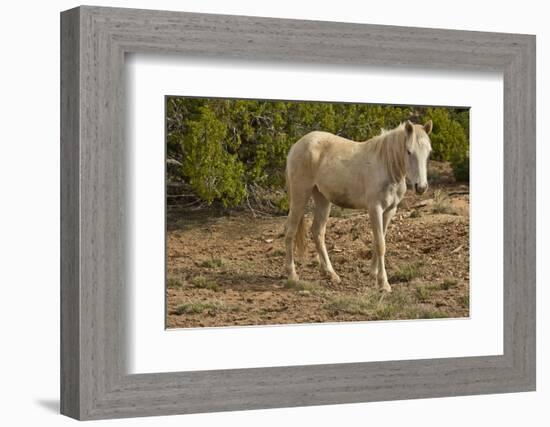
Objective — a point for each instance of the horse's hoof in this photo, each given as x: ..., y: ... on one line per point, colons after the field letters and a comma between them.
x: 334, y: 278
x: 293, y: 277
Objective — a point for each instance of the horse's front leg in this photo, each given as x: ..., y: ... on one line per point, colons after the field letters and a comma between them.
x: 386, y: 219
x: 376, y: 215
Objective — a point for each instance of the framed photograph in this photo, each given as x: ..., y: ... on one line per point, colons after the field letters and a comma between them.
x: 231, y: 208
x: 261, y: 213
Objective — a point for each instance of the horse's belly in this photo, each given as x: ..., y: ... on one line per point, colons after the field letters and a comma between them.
x: 348, y: 197
x: 340, y: 178
x: 344, y: 201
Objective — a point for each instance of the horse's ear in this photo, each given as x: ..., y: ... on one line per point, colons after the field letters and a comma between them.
x: 428, y: 127
x: 409, y: 127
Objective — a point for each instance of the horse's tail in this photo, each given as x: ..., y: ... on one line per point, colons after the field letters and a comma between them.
x: 300, y: 243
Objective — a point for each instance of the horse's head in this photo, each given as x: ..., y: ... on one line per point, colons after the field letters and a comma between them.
x: 418, y: 150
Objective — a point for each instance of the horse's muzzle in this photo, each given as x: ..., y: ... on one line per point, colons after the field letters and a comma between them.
x: 420, y: 189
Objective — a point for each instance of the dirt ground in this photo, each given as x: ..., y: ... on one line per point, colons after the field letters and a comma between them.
x: 225, y: 270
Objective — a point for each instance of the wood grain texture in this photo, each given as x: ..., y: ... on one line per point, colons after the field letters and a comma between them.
x: 94, y: 231
x: 70, y: 257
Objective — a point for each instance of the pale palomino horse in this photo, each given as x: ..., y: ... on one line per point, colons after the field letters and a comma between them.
x: 367, y: 175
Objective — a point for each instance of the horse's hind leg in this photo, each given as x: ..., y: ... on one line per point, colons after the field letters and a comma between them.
x: 321, y: 213
x: 294, y: 225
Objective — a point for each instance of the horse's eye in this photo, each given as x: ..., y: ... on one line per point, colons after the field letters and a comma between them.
x: 409, y: 152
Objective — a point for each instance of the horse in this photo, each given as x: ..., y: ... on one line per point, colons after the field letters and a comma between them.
x: 369, y: 175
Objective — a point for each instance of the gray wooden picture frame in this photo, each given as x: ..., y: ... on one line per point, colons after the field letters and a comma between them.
x: 94, y: 381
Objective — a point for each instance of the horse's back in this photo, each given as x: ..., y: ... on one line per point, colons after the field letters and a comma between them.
x: 315, y: 145
x: 319, y: 139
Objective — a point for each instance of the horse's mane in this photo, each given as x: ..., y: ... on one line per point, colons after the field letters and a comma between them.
x: 390, y: 147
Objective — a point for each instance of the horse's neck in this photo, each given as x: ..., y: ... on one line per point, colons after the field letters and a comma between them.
x: 375, y: 152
